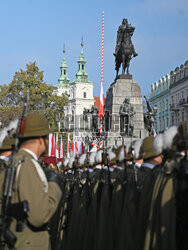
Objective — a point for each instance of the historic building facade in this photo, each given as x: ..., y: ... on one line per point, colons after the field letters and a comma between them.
x: 160, y: 98
x: 179, y: 94
x: 79, y: 92
x: 170, y: 96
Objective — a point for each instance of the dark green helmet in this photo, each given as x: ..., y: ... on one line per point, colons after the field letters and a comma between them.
x: 8, y: 144
x: 146, y: 149
x: 36, y: 125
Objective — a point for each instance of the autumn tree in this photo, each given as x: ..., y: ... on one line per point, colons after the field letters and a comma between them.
x: 41, y: 96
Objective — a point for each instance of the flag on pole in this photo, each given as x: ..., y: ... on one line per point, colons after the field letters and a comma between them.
x: 75, y: 148
x: 82, y: 148
x: 102, y: 103
x: 61, y: 148
x: 51, y: 145
x: 68, y: 147
x: 57, y: 147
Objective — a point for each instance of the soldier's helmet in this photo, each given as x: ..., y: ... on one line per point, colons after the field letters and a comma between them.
x: 181, y: 138
x: 8, y: 144
x: 147, y: 150
x: 36, y: 125
x: 7, y: 140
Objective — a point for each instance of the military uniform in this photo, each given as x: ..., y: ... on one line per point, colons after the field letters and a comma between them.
x: 31, y: 185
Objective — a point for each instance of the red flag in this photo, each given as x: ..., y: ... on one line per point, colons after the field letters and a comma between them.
x: 68, y: 147
x: 52, y: 146
x: 57, y: 147
x: 61, y: 148
x: 101, y: 105
x: 72, y: 146
x: 75, y: 148
x: 82, y: 152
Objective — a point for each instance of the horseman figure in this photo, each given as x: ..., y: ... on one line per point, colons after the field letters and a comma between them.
x: 125, y: 50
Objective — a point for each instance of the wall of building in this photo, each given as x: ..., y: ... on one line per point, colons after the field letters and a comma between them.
x: 170, y: 96
x: 160, y: 98
x: 179, y: 94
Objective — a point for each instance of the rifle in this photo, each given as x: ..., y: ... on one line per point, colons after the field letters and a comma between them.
x: 8, y: 210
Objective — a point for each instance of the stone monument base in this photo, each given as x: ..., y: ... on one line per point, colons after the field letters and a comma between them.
x: 124, y: 87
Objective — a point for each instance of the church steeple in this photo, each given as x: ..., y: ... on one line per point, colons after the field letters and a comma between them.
x: 63, y: 79
x: 81, y: 75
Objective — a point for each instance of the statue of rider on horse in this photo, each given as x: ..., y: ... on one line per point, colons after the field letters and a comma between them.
x: 124, y: 50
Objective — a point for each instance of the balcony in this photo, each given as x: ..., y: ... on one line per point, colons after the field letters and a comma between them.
x: 174, y: 107
x: 183, y: 102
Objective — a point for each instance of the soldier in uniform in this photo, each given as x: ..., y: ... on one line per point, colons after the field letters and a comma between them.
x: 146, y: 178
x: 31, y: 184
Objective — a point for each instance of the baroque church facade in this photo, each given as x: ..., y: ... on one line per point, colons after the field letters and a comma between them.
x: 79, y: 93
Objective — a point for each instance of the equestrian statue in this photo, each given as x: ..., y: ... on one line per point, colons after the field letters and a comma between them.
x: 124, y: 50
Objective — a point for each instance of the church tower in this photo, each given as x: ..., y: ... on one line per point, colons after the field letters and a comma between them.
x: 80, y: 94
x: 81, y: 75
x: 63, y: 81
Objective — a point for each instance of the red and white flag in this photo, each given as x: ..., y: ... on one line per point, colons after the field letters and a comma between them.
x: 68, y: 147
x: 57, y: 147
x: 102, y: 103
x: 61, y: 148
x: 51, y: 145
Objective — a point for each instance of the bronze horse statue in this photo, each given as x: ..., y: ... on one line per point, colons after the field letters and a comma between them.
x: 125, y: 52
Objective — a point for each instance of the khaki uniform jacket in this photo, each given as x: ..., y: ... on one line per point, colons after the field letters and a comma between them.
x: 43, y: 198
x: 161, y: 228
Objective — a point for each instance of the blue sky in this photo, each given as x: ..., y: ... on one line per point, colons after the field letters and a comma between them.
x: 35, y: 30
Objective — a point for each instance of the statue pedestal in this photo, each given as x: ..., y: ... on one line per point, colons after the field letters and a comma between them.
x: 125, y: 87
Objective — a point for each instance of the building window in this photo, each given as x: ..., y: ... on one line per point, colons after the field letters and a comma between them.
x: 172, y: 100
x: 167, y: 123
x: 166, y: 104
x: 182, y: 116
x: 82, y: 66
x: 64, y: 72
x: 72, y: 118
x: 85, y: 95
x: 160, y: 107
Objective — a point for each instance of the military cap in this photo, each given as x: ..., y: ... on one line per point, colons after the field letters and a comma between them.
x: 121, y: 153
x: 6, y: 136
x: 147, y: 150
x: 36, y: 125
x: 8, y: 143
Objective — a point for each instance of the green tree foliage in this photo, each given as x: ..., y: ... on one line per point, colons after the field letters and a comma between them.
x: 41, y: 98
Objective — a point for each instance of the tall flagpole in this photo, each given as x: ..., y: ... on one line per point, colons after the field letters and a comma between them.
x: 101, y: 107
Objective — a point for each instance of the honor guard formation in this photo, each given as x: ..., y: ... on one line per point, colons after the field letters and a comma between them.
x: 132, y: 197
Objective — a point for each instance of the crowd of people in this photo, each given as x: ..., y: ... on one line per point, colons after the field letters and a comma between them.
x: 132, y: 197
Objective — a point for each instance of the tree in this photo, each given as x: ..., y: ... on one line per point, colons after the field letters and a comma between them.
x: 41, y: 96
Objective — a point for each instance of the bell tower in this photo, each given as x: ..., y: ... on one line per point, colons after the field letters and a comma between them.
x: 63, y: 80
x: 81, y: 75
